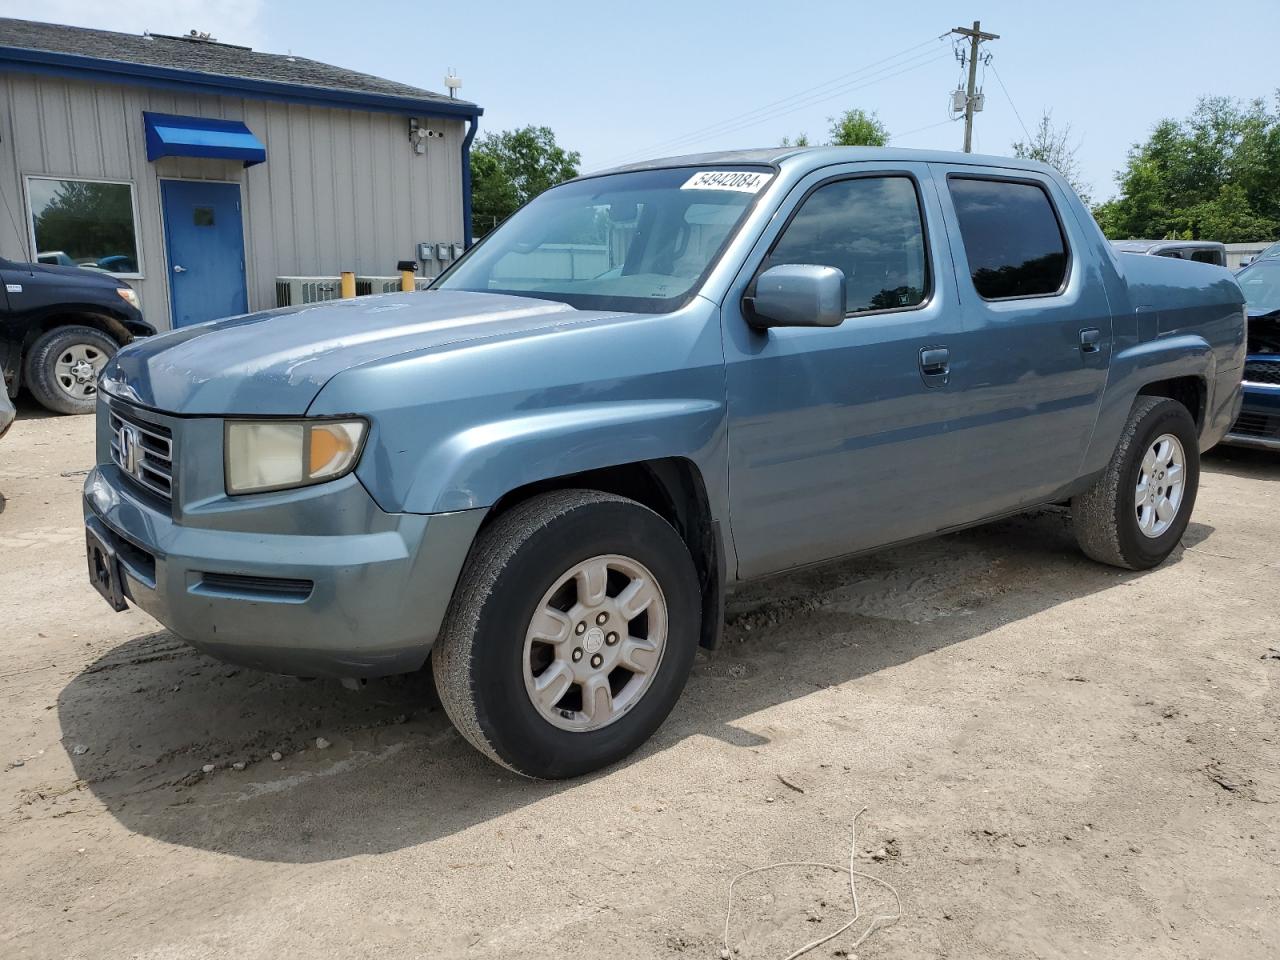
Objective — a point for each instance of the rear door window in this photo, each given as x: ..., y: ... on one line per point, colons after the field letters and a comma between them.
x: 1012, y: 238
x: 871, y: 229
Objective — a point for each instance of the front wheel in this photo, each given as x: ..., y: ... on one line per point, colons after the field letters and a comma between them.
x: 1137, y: 511
x: 571, y: 634
x: 63, y: 368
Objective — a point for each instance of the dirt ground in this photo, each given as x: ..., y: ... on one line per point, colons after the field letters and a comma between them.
x: 1057, y: 760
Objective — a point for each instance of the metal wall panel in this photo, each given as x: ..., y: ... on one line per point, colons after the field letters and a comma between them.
x: 340, y: 190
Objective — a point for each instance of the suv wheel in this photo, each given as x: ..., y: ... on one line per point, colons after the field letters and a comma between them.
x: 63, y: 367
x: 571, y: 633
x: 1137, y: 511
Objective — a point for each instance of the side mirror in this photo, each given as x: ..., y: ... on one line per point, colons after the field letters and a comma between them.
x: 797, y: 295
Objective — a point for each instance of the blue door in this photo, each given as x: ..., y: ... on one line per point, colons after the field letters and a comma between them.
x: 1037, y: 335
x: 205, y: 240
x: 839, y: 436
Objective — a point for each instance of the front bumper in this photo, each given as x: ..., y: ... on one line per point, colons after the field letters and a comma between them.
x: 1258, y: 424
x: 290, y: 591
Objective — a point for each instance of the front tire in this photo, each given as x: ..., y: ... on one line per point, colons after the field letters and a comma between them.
x: 571, y: 633
x: 63, y: 367
x: 1137, y: 511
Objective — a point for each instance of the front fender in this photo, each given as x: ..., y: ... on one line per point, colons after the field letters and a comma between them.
x: 458, y: 426
x: 477, y: 465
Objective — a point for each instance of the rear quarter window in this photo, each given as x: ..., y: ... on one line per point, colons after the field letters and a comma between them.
x: 1012, y: 238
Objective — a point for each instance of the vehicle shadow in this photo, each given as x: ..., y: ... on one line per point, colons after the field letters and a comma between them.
x: 1244, y: 462
x: 152, y: 713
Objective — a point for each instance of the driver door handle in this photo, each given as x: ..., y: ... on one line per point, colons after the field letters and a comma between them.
x: 935, y: 361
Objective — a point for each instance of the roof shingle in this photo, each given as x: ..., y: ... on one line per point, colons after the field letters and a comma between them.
x: 203, y: 56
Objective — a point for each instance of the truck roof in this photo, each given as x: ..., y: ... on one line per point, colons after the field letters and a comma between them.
x: 1146, y: 246
x: 813, y: 157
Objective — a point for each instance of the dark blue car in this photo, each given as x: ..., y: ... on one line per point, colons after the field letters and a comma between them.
x: 1259, y: 422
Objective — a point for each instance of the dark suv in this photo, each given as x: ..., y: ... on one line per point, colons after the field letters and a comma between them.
x: 58, y: 328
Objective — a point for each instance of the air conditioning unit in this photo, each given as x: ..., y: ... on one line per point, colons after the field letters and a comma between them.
x: 294, y: 291
x: 370, y: 285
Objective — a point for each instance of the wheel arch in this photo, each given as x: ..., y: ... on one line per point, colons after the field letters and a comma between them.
x: 77, y: 316
x: 673, y: 488
x: 1179, y: 367
x: 1192, y: 391
x: 64, y: 316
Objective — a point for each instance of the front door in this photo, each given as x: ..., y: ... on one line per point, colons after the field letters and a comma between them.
x: 205, y: 239
x: 839, y: 437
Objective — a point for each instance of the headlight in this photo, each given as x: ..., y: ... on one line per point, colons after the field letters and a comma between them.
x: 278, y: 454
x: 130, y: 297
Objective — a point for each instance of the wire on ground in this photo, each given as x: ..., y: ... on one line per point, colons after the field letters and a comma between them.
x: 878, y: 922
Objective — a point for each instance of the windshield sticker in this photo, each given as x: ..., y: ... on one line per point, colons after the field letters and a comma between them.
x: 741, y: 181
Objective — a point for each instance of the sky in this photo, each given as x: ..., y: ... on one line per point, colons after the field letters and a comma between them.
x: 660, y: 77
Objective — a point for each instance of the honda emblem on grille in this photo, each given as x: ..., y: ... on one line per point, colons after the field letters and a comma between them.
x: 131, y: 451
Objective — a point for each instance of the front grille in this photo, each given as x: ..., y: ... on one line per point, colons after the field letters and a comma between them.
x: 1252, y: 424
x: 1262, y: 371
x: 144, y: 451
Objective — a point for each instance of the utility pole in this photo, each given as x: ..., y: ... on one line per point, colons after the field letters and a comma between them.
x: 976, y: 36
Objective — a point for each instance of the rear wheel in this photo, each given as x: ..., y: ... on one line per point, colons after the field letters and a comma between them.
x: 63, y: 366
x: 1138, y: 510
x: 571, y: 634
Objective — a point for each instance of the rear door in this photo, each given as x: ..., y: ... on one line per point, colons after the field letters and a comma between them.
x: 1036, y: 340
x: 838, y: 436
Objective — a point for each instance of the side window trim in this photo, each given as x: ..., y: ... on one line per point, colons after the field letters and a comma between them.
x: 930, y: 287
x: 1069, y: 262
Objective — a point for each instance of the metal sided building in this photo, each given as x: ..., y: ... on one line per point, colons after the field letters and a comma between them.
x: 199, y: 172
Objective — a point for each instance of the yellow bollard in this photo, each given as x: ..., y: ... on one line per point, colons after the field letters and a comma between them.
x: 348, y: 284
x: 407, y: 270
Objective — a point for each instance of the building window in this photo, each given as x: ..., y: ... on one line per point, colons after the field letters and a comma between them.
x: 1011, y: 236
x: 85, y: 223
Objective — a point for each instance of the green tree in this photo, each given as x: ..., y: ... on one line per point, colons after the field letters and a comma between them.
x: 1212, y: 176
x: 857, y: 128
x: 1052, y: 144
x: 512, y: 167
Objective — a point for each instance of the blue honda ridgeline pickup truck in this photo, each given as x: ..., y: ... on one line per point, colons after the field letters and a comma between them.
x: 647, y: 386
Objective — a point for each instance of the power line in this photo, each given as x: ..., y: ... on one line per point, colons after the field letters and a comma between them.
x: 714, y: 129
x: 1000, y: 81
x: 906, y: 67
x: 770, y: 110
x: 930, y: 126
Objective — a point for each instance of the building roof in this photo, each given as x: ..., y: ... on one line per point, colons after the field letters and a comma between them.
x: 220, y: 68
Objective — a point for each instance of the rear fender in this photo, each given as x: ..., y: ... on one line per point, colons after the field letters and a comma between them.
x: 1132, y: 368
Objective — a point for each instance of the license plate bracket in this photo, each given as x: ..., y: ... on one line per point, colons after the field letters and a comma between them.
x: 104, y: 570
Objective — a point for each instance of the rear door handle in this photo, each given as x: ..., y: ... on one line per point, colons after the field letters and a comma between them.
x: 935, y: 361
x: 1090, y: 340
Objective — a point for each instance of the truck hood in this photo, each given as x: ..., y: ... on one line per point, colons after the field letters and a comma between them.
x: 275, y: 362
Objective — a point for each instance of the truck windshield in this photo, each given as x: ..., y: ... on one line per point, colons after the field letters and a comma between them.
x: 640, y: 241
x: 1260, y: 282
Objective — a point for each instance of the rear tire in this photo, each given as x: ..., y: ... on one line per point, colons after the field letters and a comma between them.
x: 571, y: 633
x: 62, y: 368
x: 1137, y: 511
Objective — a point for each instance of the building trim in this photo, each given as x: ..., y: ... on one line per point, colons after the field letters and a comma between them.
x: 95, y: 70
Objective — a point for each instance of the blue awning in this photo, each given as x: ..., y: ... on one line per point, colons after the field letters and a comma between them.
x: 170, y: 136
